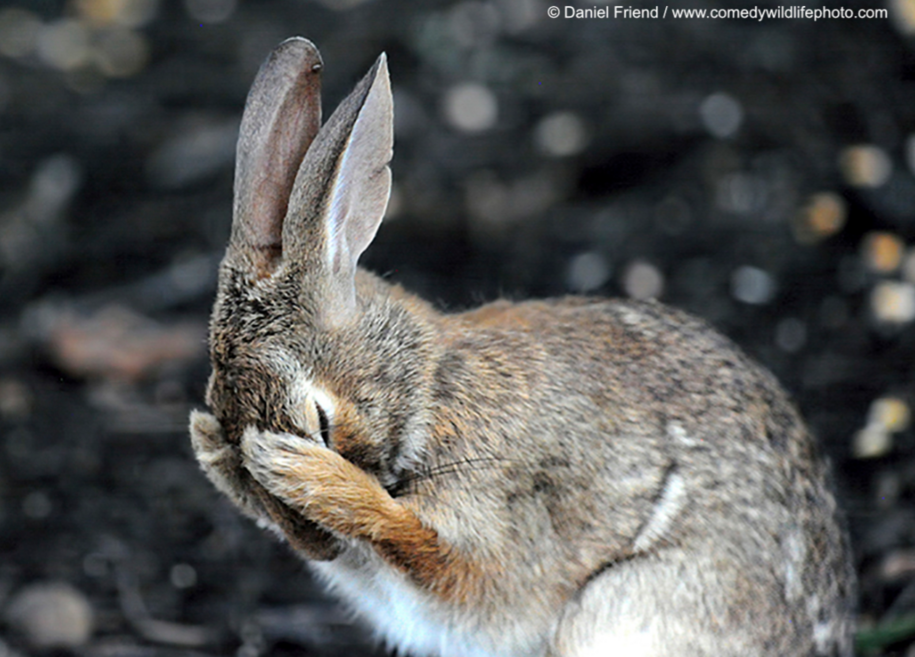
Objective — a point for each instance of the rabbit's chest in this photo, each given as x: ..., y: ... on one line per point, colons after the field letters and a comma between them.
x: 398, y: 610
x: 407, y: 617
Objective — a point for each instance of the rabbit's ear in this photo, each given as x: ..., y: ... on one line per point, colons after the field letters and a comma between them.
x: 342, y: 191
x: 282, y: 116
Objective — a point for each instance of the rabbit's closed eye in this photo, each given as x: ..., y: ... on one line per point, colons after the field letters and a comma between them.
x: 311, y: 411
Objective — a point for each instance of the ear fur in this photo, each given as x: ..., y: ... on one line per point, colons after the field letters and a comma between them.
x: 281, y: 118
x: 341, y: 192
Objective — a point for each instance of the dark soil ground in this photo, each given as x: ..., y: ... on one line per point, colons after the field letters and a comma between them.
x: 760, y: 174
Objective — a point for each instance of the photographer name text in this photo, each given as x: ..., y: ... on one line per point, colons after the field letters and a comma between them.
x: 793, y: 12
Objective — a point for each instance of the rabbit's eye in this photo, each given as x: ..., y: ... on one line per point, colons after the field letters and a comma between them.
x: 316, y: 421
x: 324, y: 424
x: 311, y: 411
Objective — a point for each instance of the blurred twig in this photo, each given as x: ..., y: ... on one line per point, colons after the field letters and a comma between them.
x: 152, y: 629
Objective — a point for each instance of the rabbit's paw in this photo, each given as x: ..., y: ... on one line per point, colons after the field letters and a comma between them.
x: 219, y: 460
x: 339, y: 497
x: 209, y: 441
x: 318, y: 482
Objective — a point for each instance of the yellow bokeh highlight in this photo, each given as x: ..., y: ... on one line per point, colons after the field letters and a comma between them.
x: 823, y: 216
x: 892, y: 413
x: 883, y: 252
x: 865, y: 165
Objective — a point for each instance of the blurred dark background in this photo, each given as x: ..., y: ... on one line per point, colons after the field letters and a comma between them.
x: 759, y: 174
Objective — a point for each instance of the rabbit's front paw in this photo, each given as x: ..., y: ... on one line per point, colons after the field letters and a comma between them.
x: 341, y: 498
x: 220, y: 461
x: 317, y: 481
x: 209, y: 441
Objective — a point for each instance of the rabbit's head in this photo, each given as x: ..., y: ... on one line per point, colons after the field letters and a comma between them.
x: 301, y: 342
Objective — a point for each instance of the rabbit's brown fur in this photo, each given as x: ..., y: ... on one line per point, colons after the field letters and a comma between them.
x: 562, y: 477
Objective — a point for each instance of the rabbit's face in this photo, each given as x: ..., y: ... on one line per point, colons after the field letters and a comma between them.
x: 279, y: 368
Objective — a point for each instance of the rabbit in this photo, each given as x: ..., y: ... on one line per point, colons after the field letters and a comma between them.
x: 561, y: 477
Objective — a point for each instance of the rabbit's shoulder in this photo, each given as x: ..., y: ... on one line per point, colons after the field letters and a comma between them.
x: 605, y: 334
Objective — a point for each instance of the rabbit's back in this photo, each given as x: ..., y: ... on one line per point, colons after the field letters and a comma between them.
x: 579, y: 441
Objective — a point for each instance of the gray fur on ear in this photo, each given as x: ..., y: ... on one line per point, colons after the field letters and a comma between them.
x: 282, y: 116
x: 342, y: 190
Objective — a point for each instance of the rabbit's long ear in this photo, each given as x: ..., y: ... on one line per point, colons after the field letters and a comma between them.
x: 341, y: 193
x: 282, y: 116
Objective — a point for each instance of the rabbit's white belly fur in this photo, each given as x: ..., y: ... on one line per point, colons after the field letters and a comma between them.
x: 415, y: 621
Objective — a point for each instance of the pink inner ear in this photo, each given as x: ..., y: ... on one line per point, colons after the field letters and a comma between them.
x: 282, y: 117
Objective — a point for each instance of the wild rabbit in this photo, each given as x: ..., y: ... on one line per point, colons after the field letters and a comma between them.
x: 573, y: 476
